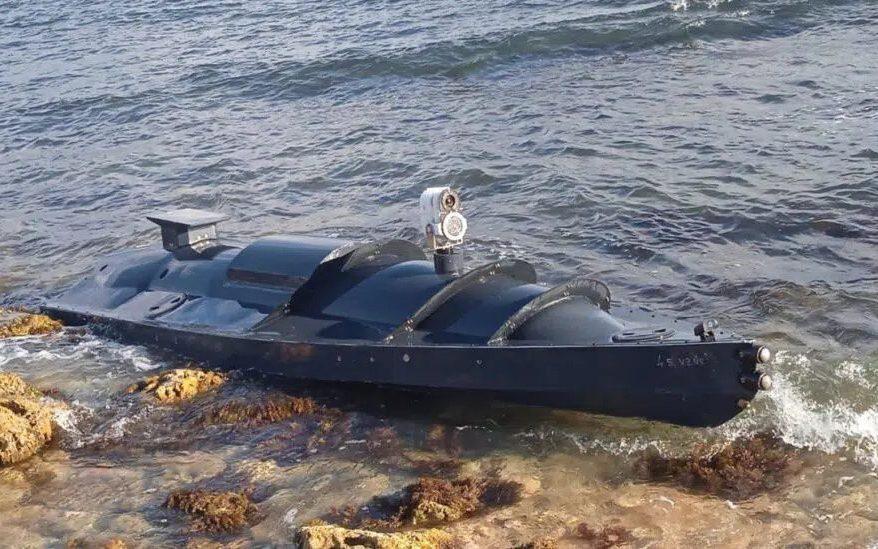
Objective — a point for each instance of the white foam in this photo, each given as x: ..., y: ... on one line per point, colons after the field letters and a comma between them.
x: 29, y: 350
x: 829, y: 428
x: 854, y: 372
x: 683, y: 5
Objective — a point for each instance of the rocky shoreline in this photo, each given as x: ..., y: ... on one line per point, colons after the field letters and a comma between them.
x: 216, y: 459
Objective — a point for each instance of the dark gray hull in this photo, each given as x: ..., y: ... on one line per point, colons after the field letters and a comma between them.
x: 695, y: 384
x: 318, y: 309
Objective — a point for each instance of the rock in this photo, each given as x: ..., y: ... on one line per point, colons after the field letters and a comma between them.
x: 604, y: 538
x: 15, y: 324
x: 25, y: 427
x: 12, y: 385
x: 431, y: 512
x: 114, y: 543
x: 335, y: 537
x: 259, y: 413
x: 215, y: 512
x: 434, y: 500
x: 131, y: 524
x: 545, y: 543
x: 737, y: 471
x: 178, y: 385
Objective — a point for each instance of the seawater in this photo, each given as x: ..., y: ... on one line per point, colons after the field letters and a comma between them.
x: 711, y: 158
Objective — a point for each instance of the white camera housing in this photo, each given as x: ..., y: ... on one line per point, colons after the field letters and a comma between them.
x: 440, y: 214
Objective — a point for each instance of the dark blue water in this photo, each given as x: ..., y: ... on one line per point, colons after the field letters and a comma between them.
x: 703, y: 158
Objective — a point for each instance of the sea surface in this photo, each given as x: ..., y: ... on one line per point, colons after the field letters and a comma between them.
x: 703, y: 158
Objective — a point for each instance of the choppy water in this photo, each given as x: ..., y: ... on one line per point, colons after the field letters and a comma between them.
x: 715, y: 158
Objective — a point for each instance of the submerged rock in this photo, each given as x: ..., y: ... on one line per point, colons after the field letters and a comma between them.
x: 545, y: 543
x: 327, y: 536
x: 114, y: 543
x: 383, y: 441
x: 16, y: 324
x: 259, y: 413
x: 739, y: 470
x: 603, y: 538
x: 25, y: 424
x: 215, y: 512
x: 178, y: 385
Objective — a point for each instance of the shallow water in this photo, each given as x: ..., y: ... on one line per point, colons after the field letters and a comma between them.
x: 714, y: 158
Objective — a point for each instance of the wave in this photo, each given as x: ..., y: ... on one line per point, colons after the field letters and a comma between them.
x: 73, y: 348
x: 646, y: 26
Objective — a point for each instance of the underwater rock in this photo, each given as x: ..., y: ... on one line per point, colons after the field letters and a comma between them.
x: 610, y: 536
x: 739, y: 470
x: 327, y: 536
x: 259, y: 413
x: 215, y: 512
x: 202, y: 543
x: 16, y: 324
x: 545, y: 543
x: 433, y: 501
x: 78, y: 543
x: 25, y: 424
x: 441, y: 439
x: 178, y: 385
x: 433, y: 467
x: 383, y: 441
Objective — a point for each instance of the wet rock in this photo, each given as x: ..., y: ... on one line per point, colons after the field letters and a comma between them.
x: 259, y: 413
x: 13, y: 385
x: 433, y: 501
x: 178, y: 385
x: 215, y: 512
x: 736, y: 471
x: 17, y: 324
x: 327, y: 536
x: 25, y: 424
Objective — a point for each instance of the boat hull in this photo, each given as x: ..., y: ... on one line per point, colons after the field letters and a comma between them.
x: 693, y: 384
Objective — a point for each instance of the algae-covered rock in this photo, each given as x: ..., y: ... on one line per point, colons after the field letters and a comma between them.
x: 215, y: 512
x: 328, y: 536
x: 259, y: 413
x: 11, y: 384
x: 432, y: 501
x: 544, y: 543
x: 601, y: 538
x: 25, y: 424
x: 736, y: 471
x: 16, y: 324
x: 178, y: 385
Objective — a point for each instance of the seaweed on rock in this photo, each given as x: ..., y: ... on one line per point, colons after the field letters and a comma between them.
x: 258, y: 413
x: 431, y: 501
x: 603, y: 538
x: 738, y: 470
x: 178, y: 385
x: 18, y: 324
x: 215, y: 512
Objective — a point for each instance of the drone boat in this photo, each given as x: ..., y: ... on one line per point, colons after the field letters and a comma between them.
x: 384, y: 313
